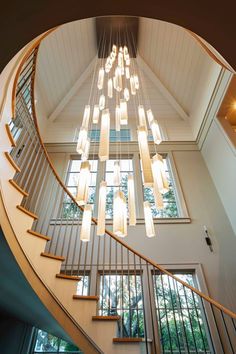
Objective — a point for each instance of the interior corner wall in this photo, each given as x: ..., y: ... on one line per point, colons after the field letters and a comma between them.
x: 15, y: 337
x: 184, y: 243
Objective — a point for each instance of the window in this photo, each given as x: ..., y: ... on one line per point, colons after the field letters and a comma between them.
x: 121, y: 294
x: 126, y: 166
x: 181, y: 322
x: 170, y: 209
x: 47, y: 343
x: 69, y: 209
x: 123, y: 135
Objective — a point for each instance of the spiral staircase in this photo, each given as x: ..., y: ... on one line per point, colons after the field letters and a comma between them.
x: 31, y: 195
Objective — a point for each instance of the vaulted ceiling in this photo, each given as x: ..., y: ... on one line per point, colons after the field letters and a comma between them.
x: 177, y: 74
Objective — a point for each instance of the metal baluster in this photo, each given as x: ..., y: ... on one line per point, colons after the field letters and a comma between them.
x: 199, y: 325
x: 136, y: 294
x: 227, y: 332
x: 166, y: 313
x: 217, y: 328
x: 143, y: 300
x: 208, y: 327
x: 151, y: 309
x: 158, y: 307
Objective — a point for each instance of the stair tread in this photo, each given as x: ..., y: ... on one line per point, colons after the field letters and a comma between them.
x: 26, y: 211
x: 106, y: 318
x: 13, y: 143
x: 69, y: 277
x: 35, y: 233
x: 53, y: 256
x: 21, y: 190
x: 12, y: 162
x: 86, y: 297
x: 128, y: 340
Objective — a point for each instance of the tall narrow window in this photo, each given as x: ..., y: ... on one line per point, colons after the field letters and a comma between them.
x: 126, y: 166
x: 121, y: 294
x: 72, y: 178
x: 180, y: 317
x: 170, y: 209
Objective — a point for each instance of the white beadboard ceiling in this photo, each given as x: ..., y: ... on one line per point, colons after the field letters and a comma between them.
x: 176, y: 72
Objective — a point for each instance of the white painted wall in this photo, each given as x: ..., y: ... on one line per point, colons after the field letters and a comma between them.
x: 220, y: 157
x: 184, y: 243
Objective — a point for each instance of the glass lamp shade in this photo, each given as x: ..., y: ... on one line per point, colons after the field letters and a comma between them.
x: 126, y: 94
x: 119, y: 214
x: 109, y: 88
x: 150, y: 117
x: 102, y: 209
x: 104, y: 136
x: 86, y: 223
x: 118, y: 80
x: 116, y: 173
x: 145, y: 157
x: 86, y: 116
x: 127, y: 73
x: 132, y: 85
x: 159, y: 174
x: 131, y: 201
x: 156, y: 133
x: 123, y: 112
x: 96, y: 112
x: 149, y: 225
x: 100, y: 78
x: 85, y: 154
x: 142, y: 117
x: 136, y: 82
x: 82, y: 140
x: 117, y: 118
x: 83, y: 183
x: 102, y: 101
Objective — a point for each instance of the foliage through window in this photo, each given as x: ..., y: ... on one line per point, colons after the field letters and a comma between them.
x: 121, y: 294
x: 180, y: 318
x: 123, y: 135
x: 170, y: 209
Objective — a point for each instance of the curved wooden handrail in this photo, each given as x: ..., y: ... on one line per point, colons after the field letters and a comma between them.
x: 111, y: 234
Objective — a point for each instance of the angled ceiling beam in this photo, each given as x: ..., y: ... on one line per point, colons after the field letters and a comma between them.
x: 161, y: 87
x: 79, y: 82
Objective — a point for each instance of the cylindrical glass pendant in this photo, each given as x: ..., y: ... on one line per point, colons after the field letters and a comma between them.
x: 118, y: 79
x: 159, y: 174
x: 150, y: 117
x: 145, y: 157
x: 127, y: 73
x: 126, y: 94
x: 132, y: 85
x: 102, y: 102
x: 131, y: 201
x: 86, y: 223
x: 86, y: 117
x: 102, y: 209
x: 142, y: 117
x: 136, y: 82
x: 82, y: 139
x: 119, y: 214
x: 116, y: 174
x: 83, y: 183
x: 123, y: 112
x: 117, y: 118
x: 156, y: 132
x: 96, y: 112
x: 150, y: 231
x: 104, y: 136
x: 100, y: 78
x: 85, y: 153
x: 110, y: 88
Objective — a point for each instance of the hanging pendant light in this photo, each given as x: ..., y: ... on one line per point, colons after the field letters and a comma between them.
x: 104, y: 136
x: 86, y: 116
x: 83, y: 183
x: 114, y: 48
x: 100, y: 78
x: 127, y: 60
x: 157, y: 196
x: 159, y: 174
x: 150, y: 230
x: 145, y: 157
x: 150, y: 117
x: 118, y: 80
x: 120, y: 60
x: 102, y: 209
x: 96, y: 112
x: 119, y: 214
x: 85, y: 154
x: 123, y: 112
x: 102, y: 102
x: 132, y: 85
x: 126, y: 94
x: 109, y: 88
x: 142, y: 117
x: 131, y: 201
x: 86, y: 223
x: 116, y: 173
x: 117, y: 118
x: 136, y: 82
x: 82, y: 140
x: 156, y: 132
x: 127, y: 73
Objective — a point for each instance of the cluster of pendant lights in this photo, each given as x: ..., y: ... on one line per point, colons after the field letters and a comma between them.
x: 126, y: 83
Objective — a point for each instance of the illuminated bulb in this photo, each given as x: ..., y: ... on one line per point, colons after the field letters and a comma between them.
x: 127, y: 73
x: 109, y: 88
x: 145, y: 157
x: 83, y: 183
x: 150, y: 231
x: 96, y: 112
x: 116, y: 174
x: 132, y: 85
x: 115, y: 83
x: 118, y: 79
x: 117, y: 118
x: 123, y: 112
x: 150, y: 117
x: 114, y: 48
x: 101, y: 209
x: 127, y: 61
x: 104, y: 136
x: 159, y: 174
x: 125, y: 50
x: 82, y: 140
x: 120, y: 60
x: 86, y: 223
x: 131, y: 201
x: 85, y: 153
x: 126, y: 94
x: 136, y: 82
x: 101, y: 103
x: 156, y: 132
x: 100, y: 78
x: 142, y: 117
x: 86, y: 116
x: 119, y: 214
